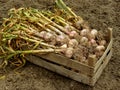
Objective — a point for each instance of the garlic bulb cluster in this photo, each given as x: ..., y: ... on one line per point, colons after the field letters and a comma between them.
x: 88, y: 39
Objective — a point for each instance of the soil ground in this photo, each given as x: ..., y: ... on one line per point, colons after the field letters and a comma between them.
x: 100, y: 14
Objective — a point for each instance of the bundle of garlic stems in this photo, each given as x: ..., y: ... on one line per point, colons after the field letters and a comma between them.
x: 30, y: 31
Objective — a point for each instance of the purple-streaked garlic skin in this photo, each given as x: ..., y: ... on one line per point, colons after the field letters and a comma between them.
x: 73, y: 34
x: 60, y: 38
x: 69, y: 52
x: 93, y: 42
x: 73, y: 43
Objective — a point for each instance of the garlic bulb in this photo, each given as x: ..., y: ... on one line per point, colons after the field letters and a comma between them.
x: 48, y: 36
x: 67, y: 28
x: 78, y: 24
x: 73, y: 34
x: 42, y: 34
x: 69, y: 52
x: 93, y: 42
x: 84, y: 32
x: 94, y: 32
x: 60, y: 38
x: 64, y: 46
x: 84, y: 40
x: 102, y: 42
x: 100, y: 48
x: 73, y: 43
x: 99, y: 54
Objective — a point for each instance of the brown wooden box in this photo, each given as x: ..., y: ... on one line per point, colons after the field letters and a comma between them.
x: 81, y: 72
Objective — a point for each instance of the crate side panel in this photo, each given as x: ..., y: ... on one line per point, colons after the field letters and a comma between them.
x: 59, y: 59
x: 60, y: 70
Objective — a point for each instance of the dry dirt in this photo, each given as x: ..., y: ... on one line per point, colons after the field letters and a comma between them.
x: 100, y: 14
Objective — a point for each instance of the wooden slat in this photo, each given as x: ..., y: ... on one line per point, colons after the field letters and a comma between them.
x: 60, y: 70
x: 101, y: 68
x: 92, y: 60
x: 59, y: 59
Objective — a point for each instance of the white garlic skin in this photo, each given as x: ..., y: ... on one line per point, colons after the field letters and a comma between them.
x: 102, y: 42
x: 84, y: 40
x: 100, y: 48
x: 94, y: 32
x: 84, y: 32
x: 64, y: 46
x: 69, y: 52
x: 73, y: 43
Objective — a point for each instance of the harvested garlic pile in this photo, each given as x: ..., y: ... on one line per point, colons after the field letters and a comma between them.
x: 30, y: 31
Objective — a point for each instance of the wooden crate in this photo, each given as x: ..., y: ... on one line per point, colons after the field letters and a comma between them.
x: 85, y: 73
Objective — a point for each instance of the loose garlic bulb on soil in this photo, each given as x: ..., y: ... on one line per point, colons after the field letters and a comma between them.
x: 73, y: 43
